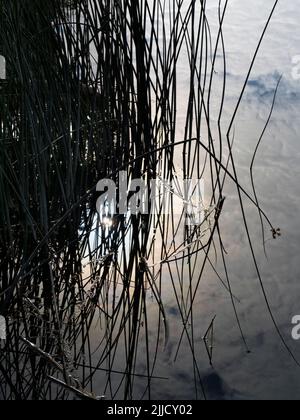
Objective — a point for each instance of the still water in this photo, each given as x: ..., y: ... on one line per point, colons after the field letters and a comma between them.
x: 268, y: 371
x: 163, y: 348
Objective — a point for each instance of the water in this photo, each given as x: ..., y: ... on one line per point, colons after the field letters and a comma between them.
x: 268, y: 372
x: 260, y: 367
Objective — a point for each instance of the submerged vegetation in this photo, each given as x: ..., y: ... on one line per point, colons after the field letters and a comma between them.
x: 92, y: 90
